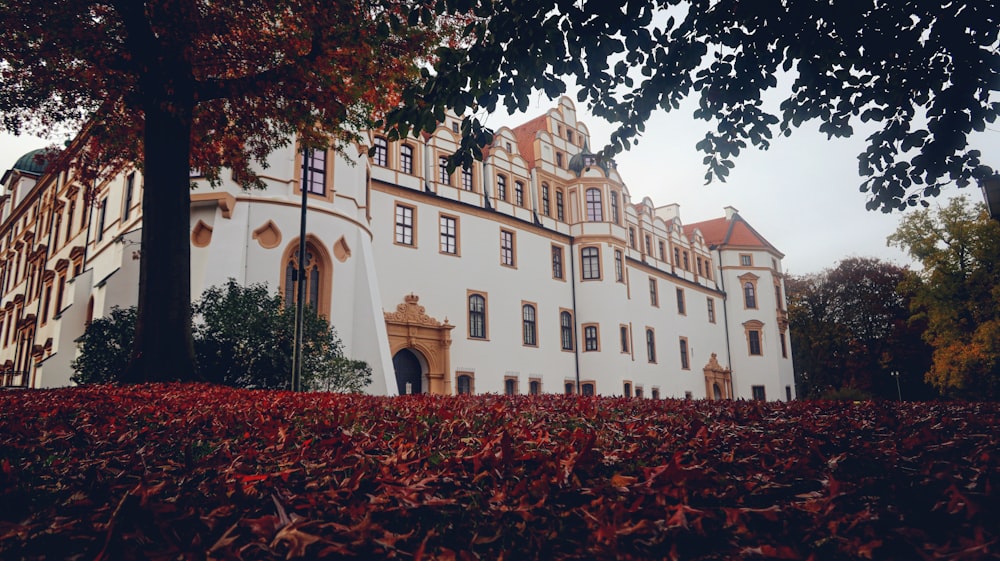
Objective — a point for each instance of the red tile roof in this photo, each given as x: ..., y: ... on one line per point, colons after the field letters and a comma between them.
x: 525, y: 135
x: 731, y: 232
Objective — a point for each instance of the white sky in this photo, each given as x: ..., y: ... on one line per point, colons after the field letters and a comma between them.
x: 802, y: 194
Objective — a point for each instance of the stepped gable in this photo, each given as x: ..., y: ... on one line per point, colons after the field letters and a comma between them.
x: 525, y: 135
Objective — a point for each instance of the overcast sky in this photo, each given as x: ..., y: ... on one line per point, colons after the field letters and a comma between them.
x: 802, y: 194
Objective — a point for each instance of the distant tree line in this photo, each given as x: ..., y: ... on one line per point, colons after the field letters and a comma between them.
x: 871, y: 329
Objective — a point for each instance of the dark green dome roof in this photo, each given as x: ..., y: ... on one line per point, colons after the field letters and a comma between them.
x: 34, y: 162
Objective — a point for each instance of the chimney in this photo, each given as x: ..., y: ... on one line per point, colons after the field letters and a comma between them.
x: 731, y: 212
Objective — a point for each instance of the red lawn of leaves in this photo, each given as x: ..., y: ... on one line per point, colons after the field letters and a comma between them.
x: 196, y: 472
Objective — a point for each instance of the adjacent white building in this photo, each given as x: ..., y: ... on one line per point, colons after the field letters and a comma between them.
x: 533, y: 271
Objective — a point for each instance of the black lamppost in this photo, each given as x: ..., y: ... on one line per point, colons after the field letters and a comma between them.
x: 300, y: 275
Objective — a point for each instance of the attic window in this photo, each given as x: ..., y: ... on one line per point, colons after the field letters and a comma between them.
x: 508, y: 147
x: 590, y: 160
x: 559, y: 159
x: 454, y: 126
x: 569, y: 136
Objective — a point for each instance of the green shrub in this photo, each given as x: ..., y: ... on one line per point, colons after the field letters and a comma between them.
x: 243, y: 337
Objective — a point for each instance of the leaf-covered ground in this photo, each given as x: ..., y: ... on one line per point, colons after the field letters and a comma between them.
x: 204, y: 472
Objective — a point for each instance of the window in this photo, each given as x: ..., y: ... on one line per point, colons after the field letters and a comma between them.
x: 631, y: 237
x: 698, y: 262
x: 534, y: 386
x: 655, y: 394
x: 753, y: 342
x: 70, y: 214
x: 406, y: 158
x: 746, y: 260
x: 594, y: 211
x: 443, y: 176
x: 685, y: 360
x: 404, y: 225
x: 653, y: 297
x: 313, y: 272
x: 614, y: 208
x: 463, y: 384
x: 314, y: 171
x: 510, y: 385
x: 650, y: 345
x: 507, y: 248
x: 711, y: 309
x: 381, y: 156
x: 569, y: 388
x: 102, y: 216
x: 518, y: 193
x: 557, y: 262
x: 502, y: 187
x: 590, y: 261
x: 663, y: 251
x: 681, y: 308
x: 591, y: 342
x: 569, y: 136
x: 454, y: 127
x: 623, y: 335
x: 566, y: 330
x: 788, y: 393
x: 638, y: 391
x: 60, y: 289
x: 619, y: 266
x: 784, y: 347
x: 777, y: 297
x: 546, y: 206
x: 467, y: 179
x: 46, y: 301
x: 559, y: 159
x: 449, y: 235
x: 588, y: 389
x: 627, y: 389
x: 477, y: 316
x: 649, y: 245
x: 677, y: 257
x: 749, y: 295
x: 127, y: 211
x: 529, y: 325
x: 759, y: 394
x: 687, y: 262
x: 560, y: 206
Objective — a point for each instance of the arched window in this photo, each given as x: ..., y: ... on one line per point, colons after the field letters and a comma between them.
x: 477, y: 316
x: 749, y: 295
x: 510, y: 386
x: 566, y: 330
x: 529, y: 325
x: 502, y: 187
x: 594, y: 211
x: 316, y: 277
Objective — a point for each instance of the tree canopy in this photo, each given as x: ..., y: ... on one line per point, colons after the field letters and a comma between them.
x: 957, y: 294
x: 851, y: 328
x: 174, y: 84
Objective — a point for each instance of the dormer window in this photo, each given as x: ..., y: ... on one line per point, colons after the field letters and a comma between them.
x: 569, y: 136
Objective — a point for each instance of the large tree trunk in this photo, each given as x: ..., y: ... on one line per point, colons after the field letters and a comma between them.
x: 164, y: 348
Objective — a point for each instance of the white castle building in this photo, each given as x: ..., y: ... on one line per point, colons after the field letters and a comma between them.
x: 533, y: 271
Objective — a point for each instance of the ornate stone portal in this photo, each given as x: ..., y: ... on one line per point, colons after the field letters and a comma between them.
x: 409, y: 327
x: 718, y: 380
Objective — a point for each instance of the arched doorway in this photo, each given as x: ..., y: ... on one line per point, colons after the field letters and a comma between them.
x: 409, y: 372
x: 426, y: 339
x: 718, y: 380
x: 716, y: 392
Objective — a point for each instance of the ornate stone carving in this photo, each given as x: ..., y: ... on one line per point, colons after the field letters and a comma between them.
x: 411, y: 312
